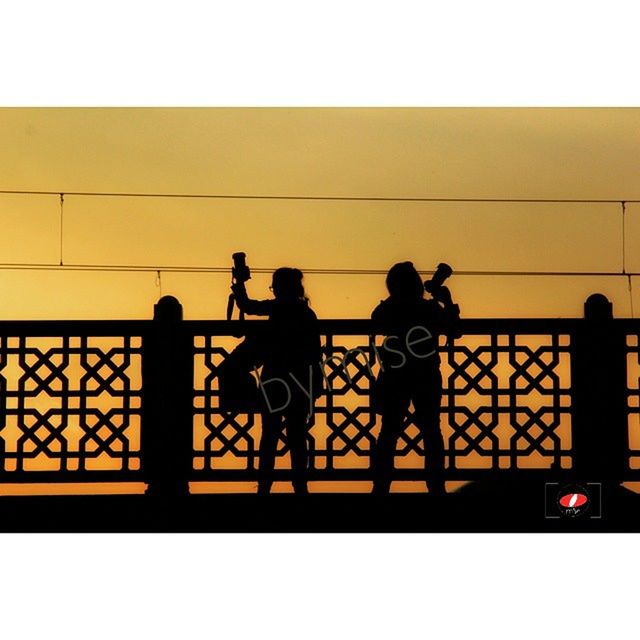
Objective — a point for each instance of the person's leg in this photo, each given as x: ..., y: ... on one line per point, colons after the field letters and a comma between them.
x: 296, y: 425
x: 395, y: 403
x: 426, y: 402
x: 383, y: 453
x: 271, y: 428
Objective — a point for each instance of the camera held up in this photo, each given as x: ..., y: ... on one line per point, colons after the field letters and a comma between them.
x: 240, y: 272
x: 435, y: 286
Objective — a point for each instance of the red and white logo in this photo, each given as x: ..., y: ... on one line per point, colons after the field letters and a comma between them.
x: 573, y: 500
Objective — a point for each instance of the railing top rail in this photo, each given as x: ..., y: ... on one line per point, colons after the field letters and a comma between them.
x: 467, y: 325
x: 355, y: 326
x: 362, y: 326
x: 45, y: 328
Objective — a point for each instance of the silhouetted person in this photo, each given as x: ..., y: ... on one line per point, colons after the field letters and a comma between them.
x: 410, y: 370
x: 290, y: 379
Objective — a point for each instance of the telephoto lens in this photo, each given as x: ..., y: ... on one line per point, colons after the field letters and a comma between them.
x: 443, y: 271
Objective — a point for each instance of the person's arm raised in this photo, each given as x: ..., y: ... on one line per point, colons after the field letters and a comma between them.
x: 249, y: 306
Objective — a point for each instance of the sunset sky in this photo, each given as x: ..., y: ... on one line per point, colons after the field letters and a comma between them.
x: 355, y: 152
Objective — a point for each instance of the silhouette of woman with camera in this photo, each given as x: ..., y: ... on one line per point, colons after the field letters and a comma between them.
x: 410, y: 368
x: 290, y: 380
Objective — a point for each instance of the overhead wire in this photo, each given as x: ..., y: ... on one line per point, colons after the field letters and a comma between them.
x: 318, y: 270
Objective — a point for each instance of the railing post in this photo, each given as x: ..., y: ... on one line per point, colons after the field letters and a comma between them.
x: 598, y: 374
x: 167, y: 400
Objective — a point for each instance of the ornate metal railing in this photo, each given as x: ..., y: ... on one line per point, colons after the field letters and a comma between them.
x: 76, y: 404
x: 506, y: 403
x: 70, y: 400
x: 632, y: 393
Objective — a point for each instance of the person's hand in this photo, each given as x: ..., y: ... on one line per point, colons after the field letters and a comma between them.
x: 442, y: 294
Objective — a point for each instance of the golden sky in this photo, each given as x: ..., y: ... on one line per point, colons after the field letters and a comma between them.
x: 359, y: 152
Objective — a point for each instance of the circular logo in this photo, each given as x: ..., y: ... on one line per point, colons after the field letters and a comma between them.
x: 573, y: 501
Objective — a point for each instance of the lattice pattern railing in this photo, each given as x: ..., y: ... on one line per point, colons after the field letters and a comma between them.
x: 506, y: 404
x: 71, y: 402
x: 633, y: 397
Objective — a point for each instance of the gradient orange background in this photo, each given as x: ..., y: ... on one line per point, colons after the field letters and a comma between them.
x: 113, y: 247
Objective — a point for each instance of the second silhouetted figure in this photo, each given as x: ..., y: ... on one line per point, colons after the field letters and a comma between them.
x: 410, y: 370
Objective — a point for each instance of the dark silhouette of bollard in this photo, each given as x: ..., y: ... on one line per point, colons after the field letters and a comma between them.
x: 167, y: 401
x: 598, y: 374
